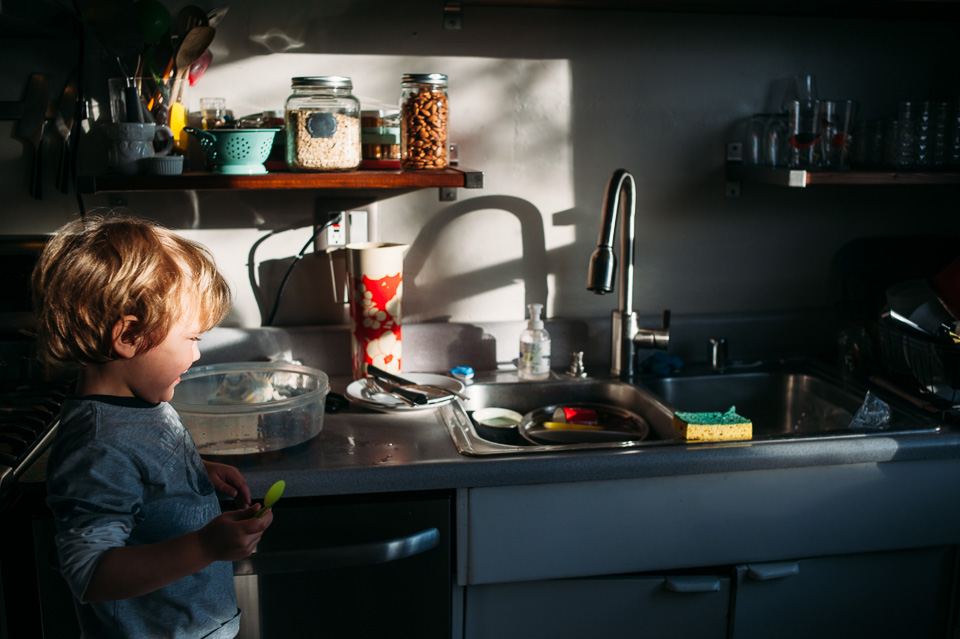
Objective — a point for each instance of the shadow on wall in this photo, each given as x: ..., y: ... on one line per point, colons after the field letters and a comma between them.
x: 313, y: 294
x: 531, y: 266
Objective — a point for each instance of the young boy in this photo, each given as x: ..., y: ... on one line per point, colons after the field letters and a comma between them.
x: 141, y: 540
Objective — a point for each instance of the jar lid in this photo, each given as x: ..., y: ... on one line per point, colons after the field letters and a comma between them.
x: 425, y: 78
x: 327, y: 81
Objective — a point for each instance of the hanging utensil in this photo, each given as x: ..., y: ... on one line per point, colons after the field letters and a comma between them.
x: 216, y: 15
x: 66, y: 113
x: 189, y: 18
x: 194, y: 44
x: 32, y: 124
x: 192, y: 47
x: 198, y: 68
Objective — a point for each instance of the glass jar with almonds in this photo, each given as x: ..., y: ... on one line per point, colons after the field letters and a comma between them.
x: 323, y: 125
x: 424, y: 122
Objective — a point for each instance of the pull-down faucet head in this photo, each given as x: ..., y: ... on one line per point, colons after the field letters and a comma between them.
x: 603, y: 268
x: 603, y: 263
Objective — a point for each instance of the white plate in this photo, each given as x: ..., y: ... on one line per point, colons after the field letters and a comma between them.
x: 357, y: 391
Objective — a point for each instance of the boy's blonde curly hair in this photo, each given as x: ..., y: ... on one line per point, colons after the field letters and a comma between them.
x: 99, y: 269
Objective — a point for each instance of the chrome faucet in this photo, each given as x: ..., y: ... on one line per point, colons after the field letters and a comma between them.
x: 603, y: 265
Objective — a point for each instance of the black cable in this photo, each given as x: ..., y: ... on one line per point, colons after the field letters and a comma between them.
x: 296, y: 260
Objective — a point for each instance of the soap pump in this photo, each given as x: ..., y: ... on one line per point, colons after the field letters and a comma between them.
x: 534, y: 362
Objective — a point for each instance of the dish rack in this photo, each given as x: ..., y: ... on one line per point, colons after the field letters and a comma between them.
x: 933, y: 365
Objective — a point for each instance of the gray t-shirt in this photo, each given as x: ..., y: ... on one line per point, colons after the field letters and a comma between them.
x: 125, y: 472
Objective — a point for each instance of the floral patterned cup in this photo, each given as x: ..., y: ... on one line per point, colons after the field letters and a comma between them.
x: 375, y: 276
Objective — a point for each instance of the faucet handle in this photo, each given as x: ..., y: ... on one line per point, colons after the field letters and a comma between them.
x: 655, y: 337
x: 576, y: 366
x: 718, y: 353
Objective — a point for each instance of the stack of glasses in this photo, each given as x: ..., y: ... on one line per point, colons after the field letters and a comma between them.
x: 808, y: 133
x: 924, y: 136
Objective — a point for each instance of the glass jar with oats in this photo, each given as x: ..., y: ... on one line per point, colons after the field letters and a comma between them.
x: 323, y: 125
x: 424, y: 119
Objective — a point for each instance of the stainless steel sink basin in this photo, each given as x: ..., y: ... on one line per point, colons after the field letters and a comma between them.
x: 782, y: 404
x: 524, y: 397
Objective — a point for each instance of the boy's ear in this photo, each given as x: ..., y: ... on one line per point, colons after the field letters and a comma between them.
x: 122, y: 345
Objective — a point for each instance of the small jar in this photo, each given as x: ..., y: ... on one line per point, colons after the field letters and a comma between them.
x: 380, y: 133
x: 323, y: 125
x: 424, y: 120
x: 214, y: 113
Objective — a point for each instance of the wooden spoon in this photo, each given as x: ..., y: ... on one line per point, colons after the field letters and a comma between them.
x: 194, y: 44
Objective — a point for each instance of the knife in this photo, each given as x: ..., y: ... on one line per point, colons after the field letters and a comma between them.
x: 32, y: 124
x: 381, y: 374
x: 65, y: 116
x: 416, y: 397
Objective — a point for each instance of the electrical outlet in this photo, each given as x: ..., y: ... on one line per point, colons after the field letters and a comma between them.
x: 336, y: 231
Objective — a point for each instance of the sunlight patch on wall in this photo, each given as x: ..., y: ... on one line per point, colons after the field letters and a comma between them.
x: 511, y: 119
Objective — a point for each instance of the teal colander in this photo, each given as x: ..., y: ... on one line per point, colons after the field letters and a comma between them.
x: 235, y: 151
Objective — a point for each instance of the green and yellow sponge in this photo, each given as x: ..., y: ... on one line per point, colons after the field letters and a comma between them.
x: 713, y: 427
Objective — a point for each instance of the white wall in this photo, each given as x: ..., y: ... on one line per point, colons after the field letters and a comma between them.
x: 547, y: 103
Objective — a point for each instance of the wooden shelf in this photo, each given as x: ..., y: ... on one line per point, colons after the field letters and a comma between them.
x: 801, y: 179
x: 377, y: 184
x: 880, y: 9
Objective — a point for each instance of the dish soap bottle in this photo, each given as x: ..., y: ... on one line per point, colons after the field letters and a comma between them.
x: 534, y: 362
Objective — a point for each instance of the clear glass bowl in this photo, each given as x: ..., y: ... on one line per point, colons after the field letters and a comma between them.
x: 251, y: 407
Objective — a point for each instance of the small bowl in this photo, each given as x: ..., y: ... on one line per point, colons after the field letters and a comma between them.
x: 165, y: 165
x: 498, y: 425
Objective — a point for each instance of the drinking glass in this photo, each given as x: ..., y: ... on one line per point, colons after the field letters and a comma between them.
x: 804, y: 125
x: 953, y: 134
x: 753, y: 140
x: 776, y: 137
x: 837, y: 121
x: 906, y: 155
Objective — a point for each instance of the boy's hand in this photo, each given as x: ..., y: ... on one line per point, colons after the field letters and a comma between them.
x: 234, y: 535
x: 228, y: 480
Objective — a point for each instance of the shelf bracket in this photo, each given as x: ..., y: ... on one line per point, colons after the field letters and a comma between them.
x: 449, y: 193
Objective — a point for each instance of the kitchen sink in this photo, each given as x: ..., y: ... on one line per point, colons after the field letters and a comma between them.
x: 782, y: 404
x: 524, y: 396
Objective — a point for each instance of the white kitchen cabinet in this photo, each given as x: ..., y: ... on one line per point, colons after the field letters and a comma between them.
x: 893, y: 594
x: 626, y: 606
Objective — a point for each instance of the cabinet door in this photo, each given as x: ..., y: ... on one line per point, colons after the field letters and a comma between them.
x: 609, y: 607
x: 886, y: 594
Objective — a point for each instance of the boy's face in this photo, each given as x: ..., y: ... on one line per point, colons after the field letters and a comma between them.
x: 158, y: 370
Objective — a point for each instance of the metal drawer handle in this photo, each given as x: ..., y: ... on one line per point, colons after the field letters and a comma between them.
x: 779, y: 570
x: 378, y: 552
x: 692, y: 583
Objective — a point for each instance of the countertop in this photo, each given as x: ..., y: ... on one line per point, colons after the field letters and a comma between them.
x: 366, y: 451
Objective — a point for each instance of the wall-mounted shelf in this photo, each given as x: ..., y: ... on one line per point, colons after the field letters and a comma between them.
x: 737, y: 172
x: 880, y: 9
x: 376, y: 184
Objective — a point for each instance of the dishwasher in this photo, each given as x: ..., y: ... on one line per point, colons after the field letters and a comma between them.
x: 351, y: 566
